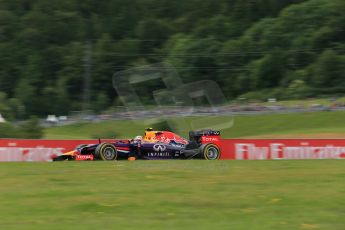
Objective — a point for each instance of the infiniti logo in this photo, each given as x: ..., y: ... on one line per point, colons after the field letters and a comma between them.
x: 159, y: 147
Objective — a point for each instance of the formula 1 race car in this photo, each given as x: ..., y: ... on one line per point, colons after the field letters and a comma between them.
x: 160, y: 145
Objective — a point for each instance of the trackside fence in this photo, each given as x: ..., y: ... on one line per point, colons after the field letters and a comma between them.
x: 232, y: 149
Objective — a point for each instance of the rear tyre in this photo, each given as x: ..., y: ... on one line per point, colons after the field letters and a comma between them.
x: 210, y: 152
x: 106, y: 152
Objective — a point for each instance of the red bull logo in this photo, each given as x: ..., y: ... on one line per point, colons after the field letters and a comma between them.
x: 167, y: 137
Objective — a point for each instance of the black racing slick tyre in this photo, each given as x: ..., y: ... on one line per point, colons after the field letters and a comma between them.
x: 106, y: 152
x: 210, y: 152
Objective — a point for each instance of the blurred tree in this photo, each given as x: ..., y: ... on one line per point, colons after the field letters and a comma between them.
x: 8, y: 25
x: 244, y: 45
x: 31, y: 129
x: 152, y: 34
x: 101, y: 103
x: 267, y: 71
x: 70, y: 78
x: 329, y: 71
x: 4, y: 108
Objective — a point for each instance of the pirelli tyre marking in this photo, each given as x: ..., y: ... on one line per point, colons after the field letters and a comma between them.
x: 210, y: 152
x: 106, y: 152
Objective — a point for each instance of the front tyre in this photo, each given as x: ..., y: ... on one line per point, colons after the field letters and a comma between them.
x: 106, y: 152
x: 210, y: 152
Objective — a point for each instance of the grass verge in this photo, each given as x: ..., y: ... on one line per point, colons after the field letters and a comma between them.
x: 173, y: 195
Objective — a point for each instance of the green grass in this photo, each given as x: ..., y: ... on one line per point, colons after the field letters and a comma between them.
x: 235, y: 127
x: 173, y: 195
x: 279, y: 124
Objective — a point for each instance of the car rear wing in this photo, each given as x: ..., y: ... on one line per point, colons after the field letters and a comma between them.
x: 204, y: 136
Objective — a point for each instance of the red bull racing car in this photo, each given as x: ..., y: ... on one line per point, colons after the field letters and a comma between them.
x: 158, y: 145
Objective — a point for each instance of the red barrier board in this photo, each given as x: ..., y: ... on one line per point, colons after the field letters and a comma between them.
x: 36, y: 150
x: 279, y: 149
x: 232, y: 149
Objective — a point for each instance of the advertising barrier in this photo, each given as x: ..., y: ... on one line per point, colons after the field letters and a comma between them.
x: 36, y: 150
x: 279, y: 149
x: 232, y: 149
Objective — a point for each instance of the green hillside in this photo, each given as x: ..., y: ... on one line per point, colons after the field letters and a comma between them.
x: 273, y: 125
x: 59, y: 56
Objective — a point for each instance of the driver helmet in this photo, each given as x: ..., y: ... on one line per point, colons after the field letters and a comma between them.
x: 138, y: 138
x: 150, y: 135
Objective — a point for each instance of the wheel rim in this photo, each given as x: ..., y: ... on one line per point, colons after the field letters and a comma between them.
x: 109, y: 153
x: 212, y: 153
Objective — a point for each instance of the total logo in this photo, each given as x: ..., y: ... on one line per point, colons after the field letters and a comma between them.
x: 159, y: 147
x: 210, y: 139
x: 84, y: 157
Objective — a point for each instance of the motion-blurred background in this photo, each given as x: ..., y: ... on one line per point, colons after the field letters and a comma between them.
x: 280, y: 65
x: 57, y: 58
